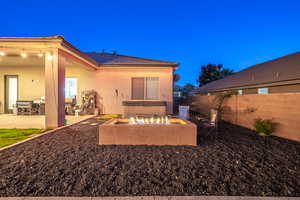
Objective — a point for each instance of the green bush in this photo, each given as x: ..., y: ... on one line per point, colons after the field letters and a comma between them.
x: 264, y: 127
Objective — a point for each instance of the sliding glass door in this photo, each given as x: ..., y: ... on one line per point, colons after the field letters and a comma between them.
x: 11, y: 92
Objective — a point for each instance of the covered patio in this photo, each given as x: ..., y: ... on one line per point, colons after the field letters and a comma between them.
x: 47, y: 73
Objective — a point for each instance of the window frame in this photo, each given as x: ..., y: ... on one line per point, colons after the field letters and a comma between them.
x: 145, y: 88
x: 259, y: 90
x: 68, y: 97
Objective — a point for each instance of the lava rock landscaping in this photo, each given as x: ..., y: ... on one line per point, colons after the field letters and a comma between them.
x: 69, y: 162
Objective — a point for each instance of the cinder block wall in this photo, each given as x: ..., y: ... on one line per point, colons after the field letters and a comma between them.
x: 242, y: 110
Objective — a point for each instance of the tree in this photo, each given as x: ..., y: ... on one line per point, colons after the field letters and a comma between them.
x: 176, y: 77
x: 212, y: 72
x: 186, y: 89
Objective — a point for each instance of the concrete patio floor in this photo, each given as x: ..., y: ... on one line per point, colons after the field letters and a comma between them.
x: 33, y: 121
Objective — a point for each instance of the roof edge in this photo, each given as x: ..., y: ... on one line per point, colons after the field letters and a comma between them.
x: 55, y: 38
x: 34, y: 39
x: 85, y: 55
x: 175, y: 64
x: 142, y: 64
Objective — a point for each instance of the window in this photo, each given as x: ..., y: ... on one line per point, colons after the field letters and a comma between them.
x: 263, y: 90
x: 145, y: 88
x: 240, y: 91
x: 177, y: 94
x: 70, y: 87
x: 152, y: 88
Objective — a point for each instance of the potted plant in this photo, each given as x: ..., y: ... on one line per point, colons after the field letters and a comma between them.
x: 264, y: 127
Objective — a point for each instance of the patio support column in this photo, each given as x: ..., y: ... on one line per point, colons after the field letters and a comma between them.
x: 54, y: 89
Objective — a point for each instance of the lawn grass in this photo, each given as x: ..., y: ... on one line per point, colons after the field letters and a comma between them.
x: 11, y: 136
x: 108, y: 116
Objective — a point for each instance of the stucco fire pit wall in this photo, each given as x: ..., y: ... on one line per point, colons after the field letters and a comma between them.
x: 121, y: 132
x: 133, y: 108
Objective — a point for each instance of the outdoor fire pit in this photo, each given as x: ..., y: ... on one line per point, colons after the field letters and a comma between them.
x: 148, y: 131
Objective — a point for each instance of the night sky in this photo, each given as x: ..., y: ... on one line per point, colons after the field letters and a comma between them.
x: 235, y: 33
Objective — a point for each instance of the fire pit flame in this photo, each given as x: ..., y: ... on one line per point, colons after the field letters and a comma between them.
x: 147, y: 120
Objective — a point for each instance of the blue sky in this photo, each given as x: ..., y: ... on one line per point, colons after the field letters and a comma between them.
x: 235, y: 33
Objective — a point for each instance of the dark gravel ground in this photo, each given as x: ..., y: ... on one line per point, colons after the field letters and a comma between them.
x: 70, y: 163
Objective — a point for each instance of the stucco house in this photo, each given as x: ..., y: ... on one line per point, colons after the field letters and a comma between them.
x: 51, y: 68
x: 281, y: 75
x: 269, y: 90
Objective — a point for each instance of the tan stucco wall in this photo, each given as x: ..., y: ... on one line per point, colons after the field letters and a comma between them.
x: 31, y: 79
x: 86, y: 78
x: 131, y: 111
x: 182, y: 133
x: 283, y: 88
x: 283, y: 109
x: 111, y: 79
x: 105, y: 81
x: 276, y: 89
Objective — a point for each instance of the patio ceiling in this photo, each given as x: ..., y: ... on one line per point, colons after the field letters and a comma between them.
x: 16, y: 60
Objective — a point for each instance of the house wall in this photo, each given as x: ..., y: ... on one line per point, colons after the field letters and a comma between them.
x: 285, y: 88
x: 244, y: 109
x: 105, y: 81
x: 86, y: 78
x: 289, y: 88
x: 31, y: 79
x: 132, y: 111
x: 114, y: 86
x: 276, y: 89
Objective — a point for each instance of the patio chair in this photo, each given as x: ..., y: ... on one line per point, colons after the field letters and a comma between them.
x: 70, y: 105
x: 211, y: 124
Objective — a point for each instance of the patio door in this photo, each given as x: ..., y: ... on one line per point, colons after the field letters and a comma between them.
x: 11, y: 92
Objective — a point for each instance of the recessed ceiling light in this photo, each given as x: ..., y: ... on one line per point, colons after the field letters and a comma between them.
x: 24, y: 55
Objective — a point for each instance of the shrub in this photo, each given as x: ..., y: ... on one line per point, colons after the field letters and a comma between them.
x: 264, y: 127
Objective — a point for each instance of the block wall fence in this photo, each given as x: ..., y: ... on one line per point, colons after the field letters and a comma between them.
x: 242, y: 110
